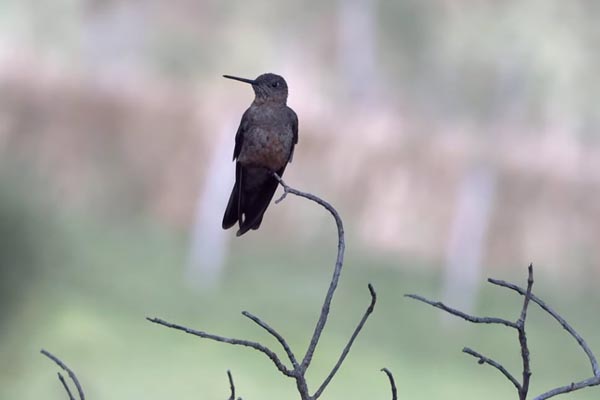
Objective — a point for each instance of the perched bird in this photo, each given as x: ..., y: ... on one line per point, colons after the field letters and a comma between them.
x: 264, y: 144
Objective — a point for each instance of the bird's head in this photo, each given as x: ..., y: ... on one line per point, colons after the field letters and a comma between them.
x: 267, y: 87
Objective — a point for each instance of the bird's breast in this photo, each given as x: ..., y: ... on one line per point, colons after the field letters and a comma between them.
x: 266, y: 146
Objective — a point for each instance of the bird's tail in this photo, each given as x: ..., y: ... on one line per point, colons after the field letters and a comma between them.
x: 232, y: 212
x: 253, y: 190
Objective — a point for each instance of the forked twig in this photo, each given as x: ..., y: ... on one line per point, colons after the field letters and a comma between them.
x: 240, y: 342
x: 69, y: 371
x: 299, y: 368
x: 476, y: 320
x: 582, y: 343
x: 523, y: 386
x: 350, y: 342
x: 595, y: 379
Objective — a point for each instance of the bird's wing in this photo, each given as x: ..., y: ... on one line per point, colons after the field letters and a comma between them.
x: 294, y: 125
x: 239, y: 136
x: 294, y: 119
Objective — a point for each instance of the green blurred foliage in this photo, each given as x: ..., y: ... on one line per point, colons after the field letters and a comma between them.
x: 29, y: 241
x: 90, y: 311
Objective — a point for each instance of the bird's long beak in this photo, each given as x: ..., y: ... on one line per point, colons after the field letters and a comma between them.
x: 250, y: 81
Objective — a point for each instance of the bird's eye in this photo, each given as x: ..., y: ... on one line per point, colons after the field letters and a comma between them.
x: 275, y: 84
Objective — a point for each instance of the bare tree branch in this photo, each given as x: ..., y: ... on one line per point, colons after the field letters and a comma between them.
x: 277, y: 336
x: 570, y: 388
x: 458, y: 313
x: 495, y: 364
x: 232, y: 386
x: 478, y: 320
x: 392, y: 383
x: 566, y: 326
x: 519, y: 325
x: 349, y: 345
x: 298, y: 370
x: 68, y: 371
x: 523, y: 337
x: 257, y: 346
x: 62, y: 380
x: 336, y: 272
x: 593, y: 381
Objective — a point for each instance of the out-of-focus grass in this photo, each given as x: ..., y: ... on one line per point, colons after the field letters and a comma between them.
x: 90, y: 309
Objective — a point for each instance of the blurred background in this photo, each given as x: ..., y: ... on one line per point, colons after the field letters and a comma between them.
x: 459, y: 140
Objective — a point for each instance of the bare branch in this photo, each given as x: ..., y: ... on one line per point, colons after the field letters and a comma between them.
x: 566, y: 326
x: 232, y: 386
x: 62, y: 380
x: 523, y: 316
x: 458, y: 313
x: 67, y: 370
x: 350, y: 342
x: 485, y: 360
x: 336, y: 272
x: 392, y: 383
x: 299, y: 368
x: 277, y: 336
x: 519, y: 325
x: 523, y: 337
x: 257, y: 346
x: 594, y: 381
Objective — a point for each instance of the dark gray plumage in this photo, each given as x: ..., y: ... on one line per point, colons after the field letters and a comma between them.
x: 264, y: 143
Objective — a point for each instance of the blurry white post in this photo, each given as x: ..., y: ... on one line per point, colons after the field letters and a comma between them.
x: 209, y: 242
x: 475, y: 201
x: 357, y: 47
x: 468, y: 236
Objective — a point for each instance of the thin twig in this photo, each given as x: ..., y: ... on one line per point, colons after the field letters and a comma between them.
x: 392, y: 383
x: 566, y: 326
x: 257, y: 346
x: 232, y: 386
x: 458, y: 313
x: 523, y: 337
x: 67, y: 370
x: 277, y: 336
x: 594, y: 381
x: 485, y: 360
x: 62, y: 380
x: 349, y: 345
x: 336, y: 272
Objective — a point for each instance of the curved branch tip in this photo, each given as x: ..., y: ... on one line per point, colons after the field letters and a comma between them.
x: 392, y: 382
x: 372, y: 290
x: 69, y: 371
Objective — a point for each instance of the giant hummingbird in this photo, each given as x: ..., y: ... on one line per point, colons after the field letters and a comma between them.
x: 264, y: 145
